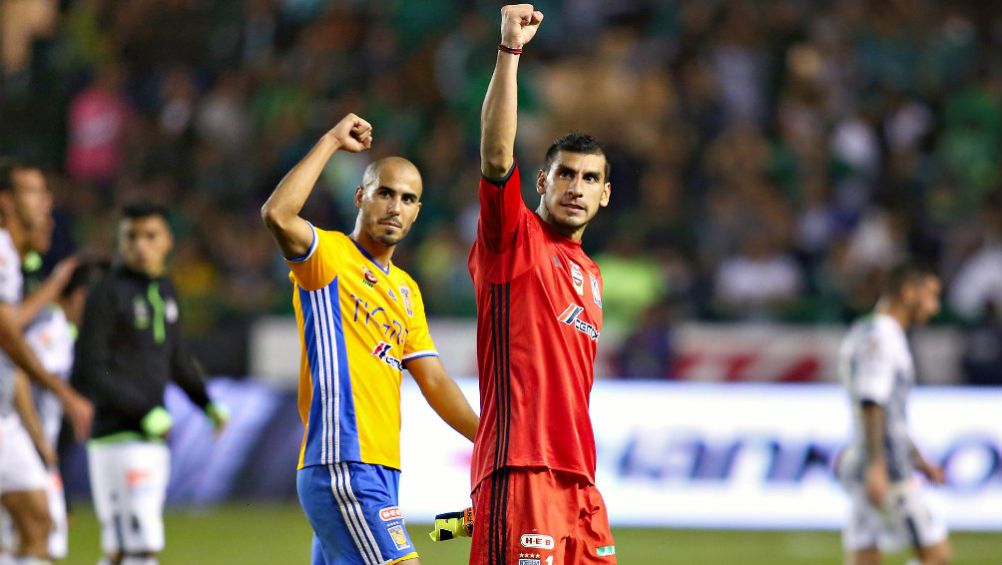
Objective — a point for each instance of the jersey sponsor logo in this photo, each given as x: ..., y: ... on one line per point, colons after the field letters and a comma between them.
x: 571, y: 316
x: 539, y: 541
x: 391, y: 513
x: 577, y: 277
x: 399, y: 537
x: 380, y: 318
x: 382, y: 352
x: 405, y: 295
x: 171, y: 310
x: 140, y: 313
x: 596, y: 292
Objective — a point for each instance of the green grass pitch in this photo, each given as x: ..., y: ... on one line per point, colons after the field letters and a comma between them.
x: 266, y: 534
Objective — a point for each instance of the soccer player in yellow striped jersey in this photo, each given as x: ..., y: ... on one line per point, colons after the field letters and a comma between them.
x: 361, y: 322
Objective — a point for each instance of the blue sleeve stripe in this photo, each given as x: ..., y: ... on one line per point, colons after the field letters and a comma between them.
x: 309, y: 252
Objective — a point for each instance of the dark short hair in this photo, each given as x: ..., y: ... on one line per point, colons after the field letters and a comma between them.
x: 137, y: 210
x: 9, y: 166
x: 85, y: 275
x: 903, y: 275
x: 576, y: 142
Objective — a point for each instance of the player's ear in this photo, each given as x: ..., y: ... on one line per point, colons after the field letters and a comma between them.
x: 606, y: 194
x: 541, y: 182
x: 359, y: 192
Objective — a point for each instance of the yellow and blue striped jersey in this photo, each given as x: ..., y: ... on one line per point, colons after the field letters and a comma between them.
x: 359, y: 324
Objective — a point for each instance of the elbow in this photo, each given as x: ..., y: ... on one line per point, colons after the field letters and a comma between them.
x: 495, y: 162
x: 272, y: 216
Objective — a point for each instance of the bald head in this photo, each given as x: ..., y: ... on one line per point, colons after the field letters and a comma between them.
x: 388, y: 200
x: 391, y: 171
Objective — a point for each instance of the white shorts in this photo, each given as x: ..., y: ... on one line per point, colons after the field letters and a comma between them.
x: 905, y: 519
x: 21, y: 467
x: 129, y: 483
x: 59, y: 536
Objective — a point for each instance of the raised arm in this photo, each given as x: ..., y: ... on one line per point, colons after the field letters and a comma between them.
x: 499, y: 116
x: 280, y: 213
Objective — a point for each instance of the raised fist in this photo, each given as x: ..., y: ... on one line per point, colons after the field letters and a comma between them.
x: 352, y: 134
x: 519, y: 23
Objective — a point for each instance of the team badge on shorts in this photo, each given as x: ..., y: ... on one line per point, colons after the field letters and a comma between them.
x: 398, y: 536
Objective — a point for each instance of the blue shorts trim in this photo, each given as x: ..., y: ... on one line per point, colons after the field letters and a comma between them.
x: 353, y: 510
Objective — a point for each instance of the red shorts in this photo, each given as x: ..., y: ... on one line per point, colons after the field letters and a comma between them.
x: 540, y: 517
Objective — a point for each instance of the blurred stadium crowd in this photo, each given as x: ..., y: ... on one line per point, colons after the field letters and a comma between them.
x: 770, y: 158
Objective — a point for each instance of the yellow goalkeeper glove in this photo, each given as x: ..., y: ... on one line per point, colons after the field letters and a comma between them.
x: 452, y: 525
x: 157, y: 422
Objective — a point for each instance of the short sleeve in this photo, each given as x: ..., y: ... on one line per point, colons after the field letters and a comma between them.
x: 874, y: 370
x: 419, y: 343
x: 502, y: 210
x: 10, y: 275
x: 318, y: 267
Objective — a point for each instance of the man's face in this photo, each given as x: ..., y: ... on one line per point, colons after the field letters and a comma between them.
x: 144, y: 244
x: 389, y: 203
x: 922, y: 297
x: 40, y: 236
x: 573, y: 188
x: 30, y: 202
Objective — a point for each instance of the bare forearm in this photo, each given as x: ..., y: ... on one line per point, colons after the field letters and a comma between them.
x: 499, y: 118
x: 291, y: 194
x: 13, y: 344
x: 873, y: 433
x: 25, y: 407
x: 448, y: 402
x: 444, y: 396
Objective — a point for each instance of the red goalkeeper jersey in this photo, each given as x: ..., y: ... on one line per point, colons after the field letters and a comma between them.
x: 539, y: 314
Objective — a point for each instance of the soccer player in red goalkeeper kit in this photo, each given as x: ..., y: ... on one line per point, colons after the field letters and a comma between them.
x: 539, y: 314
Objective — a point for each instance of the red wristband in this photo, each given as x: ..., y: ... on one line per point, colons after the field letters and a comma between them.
x: 511, y: 50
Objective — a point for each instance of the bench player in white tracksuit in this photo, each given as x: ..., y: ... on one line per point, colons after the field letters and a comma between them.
x: 878, y: 468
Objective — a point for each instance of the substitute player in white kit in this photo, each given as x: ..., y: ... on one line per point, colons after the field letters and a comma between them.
x: 51, y: 335
x: 25, y: 204
x: 878, y: 468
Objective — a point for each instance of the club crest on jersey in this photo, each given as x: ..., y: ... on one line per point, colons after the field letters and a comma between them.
x: 405, y: 295
x: 382, y: 352
x: 596, y: 292
x: 577, y: 277
x: 369, y: 278
x: 393, y: 295
x: 571, y: 316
